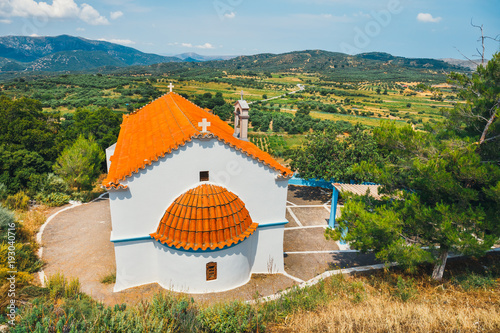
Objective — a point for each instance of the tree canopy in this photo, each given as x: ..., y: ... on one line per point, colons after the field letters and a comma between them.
x: 332, y: 154
x: 79, y: 164
x: 443, y: 186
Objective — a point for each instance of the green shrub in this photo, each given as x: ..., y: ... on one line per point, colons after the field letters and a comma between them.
x: 73, y: 288
x: 307, y: 299
x: 57, y: 286
x: 18, y: 201
x: 229, y: 317
x: 6, y: 218
x: 405, y: 289
x: 84, y: 196
x: 3, y: 191
x: 108, y: 279
x: 471, y: 281
x: 54, y: 184
x: 27, y: 261
x: 53, y: 199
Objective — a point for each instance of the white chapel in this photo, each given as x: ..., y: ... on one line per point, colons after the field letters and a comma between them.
x: 195, y: 206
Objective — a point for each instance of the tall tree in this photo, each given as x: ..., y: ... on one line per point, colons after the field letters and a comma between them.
x: 441, y: 198
x: 331, y: 154
x: 23, y: 125
x: 80, y: 164
x: 443, y: 188
x: 478, y: 118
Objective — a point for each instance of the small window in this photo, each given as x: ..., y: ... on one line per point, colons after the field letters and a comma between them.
x: 204, y: 176
x: 211, y: 271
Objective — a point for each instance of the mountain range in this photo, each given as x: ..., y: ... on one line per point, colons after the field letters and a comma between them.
x: 67, y: 53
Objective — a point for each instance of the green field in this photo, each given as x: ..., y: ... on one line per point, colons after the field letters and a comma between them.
x: 324, y: 102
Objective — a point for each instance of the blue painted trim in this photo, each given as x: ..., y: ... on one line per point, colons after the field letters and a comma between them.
x: 131, y: 239
x: 333, y: 208
x: 272, y: 224
x: 197, y: 251
x: 295, y: 180
x: 344, y: 233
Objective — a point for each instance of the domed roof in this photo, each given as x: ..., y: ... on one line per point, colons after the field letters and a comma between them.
x: 205, y: 217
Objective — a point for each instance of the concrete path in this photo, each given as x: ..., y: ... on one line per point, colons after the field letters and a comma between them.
x: 76, y: 244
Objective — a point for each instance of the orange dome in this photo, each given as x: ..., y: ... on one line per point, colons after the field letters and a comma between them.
x: 205, y: 217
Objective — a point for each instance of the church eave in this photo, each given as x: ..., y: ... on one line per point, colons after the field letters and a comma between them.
x: 148, y: 162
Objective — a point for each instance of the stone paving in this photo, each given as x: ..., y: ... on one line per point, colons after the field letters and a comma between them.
x: 76, y: 244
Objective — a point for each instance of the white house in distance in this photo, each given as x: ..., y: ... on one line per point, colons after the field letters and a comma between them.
x: 195, y: 206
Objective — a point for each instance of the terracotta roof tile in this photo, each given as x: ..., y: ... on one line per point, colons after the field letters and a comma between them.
x: 163, y: 126
x: 206, y: 229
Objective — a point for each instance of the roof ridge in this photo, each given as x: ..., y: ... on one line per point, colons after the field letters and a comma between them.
x: 143, y: 137
x: 142, y: 107
x: 184, y: 114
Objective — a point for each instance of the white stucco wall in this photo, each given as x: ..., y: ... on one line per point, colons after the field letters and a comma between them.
x: 144, y: 262
x: 269, y: 252
x: 109, y: 152
x: 136, y: 264
x: 138, y: 210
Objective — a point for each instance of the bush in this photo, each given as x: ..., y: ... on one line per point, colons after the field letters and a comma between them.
x: 54, y: 184
x: 3, y: 191
x: 108, y: 279
x: 53, y: 199
x: 6, y: 218
x: 26, y: 259
x: 471, y: 281
x: 18, y: 201
x: 229, y: 317
x: 84, y: 196
x: 405, y: 289
x: 57, y: 286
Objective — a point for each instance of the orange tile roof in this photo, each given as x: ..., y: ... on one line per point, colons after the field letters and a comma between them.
x: 205, y: 217
x: 162, y: 126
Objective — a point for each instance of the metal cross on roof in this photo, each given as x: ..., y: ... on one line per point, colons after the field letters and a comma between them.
x: 171, y: 86
x: 204, y: 124
x: 242, y: 95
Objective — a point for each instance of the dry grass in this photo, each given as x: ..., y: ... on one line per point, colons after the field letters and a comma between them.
x: 32, y: 220
x: 383, y: 314
x: 376, y: 307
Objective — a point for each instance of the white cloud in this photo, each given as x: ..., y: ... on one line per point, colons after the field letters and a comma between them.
x: 189, y: 45
x: 5, y: 21
x: 116, y: 15
x: 118, y: 41
x: 230, y: 15
x: 426, y: 17
x: 58, y: 9
x: 34, y: 35
x: 91, y: 16
x: 205, y: 46
x: 80, y: 29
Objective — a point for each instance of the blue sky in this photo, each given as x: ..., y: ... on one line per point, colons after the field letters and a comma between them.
x: 422, y: 28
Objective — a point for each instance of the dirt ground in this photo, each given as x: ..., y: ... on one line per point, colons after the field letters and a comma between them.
x: 76, y: 244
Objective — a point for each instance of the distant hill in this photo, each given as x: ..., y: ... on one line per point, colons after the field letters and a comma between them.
x: 20, y: 55
x: 68, y: 53
x: 463, y: 63
x: 321, y: 61
x: 409, y: 62
x: 331, y: 65
x: 191, y: 56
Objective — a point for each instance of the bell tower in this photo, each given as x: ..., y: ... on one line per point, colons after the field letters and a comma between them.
x: 241, y: 116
